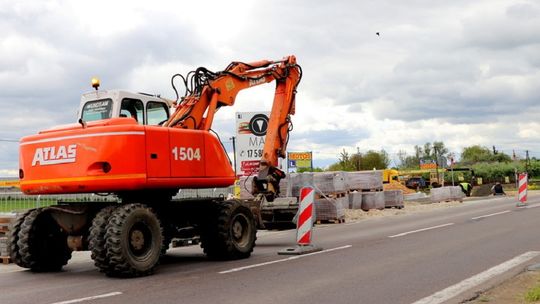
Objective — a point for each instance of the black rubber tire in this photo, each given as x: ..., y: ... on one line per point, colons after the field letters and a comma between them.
x: 42, y: 243
x: 134, y: 239
x: 231, y: 233
x: 13, y: 238
x: 96, y: 238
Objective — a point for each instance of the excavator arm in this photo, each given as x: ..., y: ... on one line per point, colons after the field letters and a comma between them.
x: 207, y: 91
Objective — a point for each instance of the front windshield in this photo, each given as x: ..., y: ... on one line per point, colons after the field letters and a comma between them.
x: 97, y: 109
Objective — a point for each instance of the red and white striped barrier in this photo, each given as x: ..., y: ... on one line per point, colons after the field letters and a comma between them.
x: 522, y: 189
x: 304, y: 225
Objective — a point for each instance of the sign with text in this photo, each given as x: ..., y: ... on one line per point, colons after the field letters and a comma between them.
x: 300, y: 160
x: 250, y: 134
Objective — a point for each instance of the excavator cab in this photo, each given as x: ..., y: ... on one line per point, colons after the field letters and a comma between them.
x: 145, y: 109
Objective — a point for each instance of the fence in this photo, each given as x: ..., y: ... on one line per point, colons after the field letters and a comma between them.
x: 14, y: 200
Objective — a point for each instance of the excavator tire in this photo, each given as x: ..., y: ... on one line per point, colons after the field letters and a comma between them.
x: 134, y: 239
x: 42, y: 243
x: 96, y: 238
x: 13, y: 238
x: 231, y: 234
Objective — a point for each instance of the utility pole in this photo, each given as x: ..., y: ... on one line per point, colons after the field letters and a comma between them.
x: 527, y: 161
x: 357, y: 159
x: 233, y: 139
x: 452, y: 167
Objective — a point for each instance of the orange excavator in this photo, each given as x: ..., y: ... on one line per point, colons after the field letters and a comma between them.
x: 135, y: 146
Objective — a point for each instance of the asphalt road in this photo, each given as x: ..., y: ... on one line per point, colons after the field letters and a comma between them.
x: 398, y: 259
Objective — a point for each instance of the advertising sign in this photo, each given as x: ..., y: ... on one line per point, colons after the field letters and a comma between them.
x: 427, y: 164
x: 250, y: 132
x: 300, y: 160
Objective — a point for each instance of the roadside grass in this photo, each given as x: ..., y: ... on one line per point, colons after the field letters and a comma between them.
x: 14, y: 205
x: 533, y: 294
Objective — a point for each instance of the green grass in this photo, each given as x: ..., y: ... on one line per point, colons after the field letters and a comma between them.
x: 13, y: 205
x: 533, y: 294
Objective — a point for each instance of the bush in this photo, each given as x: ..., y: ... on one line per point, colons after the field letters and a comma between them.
x: 495, y: 172
x: 533, y: 294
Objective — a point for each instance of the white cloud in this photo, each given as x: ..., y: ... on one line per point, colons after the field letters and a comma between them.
x: 461, y: 72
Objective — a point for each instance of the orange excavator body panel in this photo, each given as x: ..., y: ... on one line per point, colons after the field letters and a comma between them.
x: 117, y: 155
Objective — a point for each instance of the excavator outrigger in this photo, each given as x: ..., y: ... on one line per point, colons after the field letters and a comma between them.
x: 129, y: 144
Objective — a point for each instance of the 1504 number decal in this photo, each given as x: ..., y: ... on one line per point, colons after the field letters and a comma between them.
x: 186, y: 153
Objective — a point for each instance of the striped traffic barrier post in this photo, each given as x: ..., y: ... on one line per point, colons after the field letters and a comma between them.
x: 522, y: 190
x: 304, y: 225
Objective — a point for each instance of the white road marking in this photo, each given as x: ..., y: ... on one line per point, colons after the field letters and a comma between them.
x: 420, y: 230
x: 283, y: 260
x: 107, y: 295
x: 452, y: 291
x: 532, y: 206
x: 488, y: 215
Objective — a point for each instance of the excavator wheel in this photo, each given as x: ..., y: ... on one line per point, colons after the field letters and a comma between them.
x: 96, y: 238
x: 13, y: 238
x: 134, y: 239
x: 231, y: 233
x: 42, y: 243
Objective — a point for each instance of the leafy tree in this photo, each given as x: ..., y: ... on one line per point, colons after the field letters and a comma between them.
x: 411, y: 162
x: 475, y: 154
x: 427, y: 151
x: 358, y: 161
x: 373, y: 159
x: 439, y: 150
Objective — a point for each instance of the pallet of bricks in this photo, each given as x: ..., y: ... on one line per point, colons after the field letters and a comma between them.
x: 5, y: 220
x: 331, y: 198
x: 366, y: 190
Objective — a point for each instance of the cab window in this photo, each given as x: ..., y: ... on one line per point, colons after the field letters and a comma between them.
x: 132, y: 108
x: 157, y: 112
x: 97, y: 109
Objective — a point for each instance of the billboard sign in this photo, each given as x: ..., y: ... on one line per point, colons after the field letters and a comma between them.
x: 250, y: 132
x: 297, y: 160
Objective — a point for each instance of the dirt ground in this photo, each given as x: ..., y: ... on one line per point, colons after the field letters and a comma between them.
x: 512, y: 291
x: 410, y: 207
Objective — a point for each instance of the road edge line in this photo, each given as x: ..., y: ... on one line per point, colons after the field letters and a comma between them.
x: 478, y: 279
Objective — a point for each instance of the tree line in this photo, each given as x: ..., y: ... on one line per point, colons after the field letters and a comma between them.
x: 488, y: 163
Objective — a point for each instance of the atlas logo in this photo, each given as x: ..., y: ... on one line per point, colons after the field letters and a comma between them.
x: 55, y: 155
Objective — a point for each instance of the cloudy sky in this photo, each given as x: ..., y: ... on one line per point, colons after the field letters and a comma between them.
x: 462, y: 72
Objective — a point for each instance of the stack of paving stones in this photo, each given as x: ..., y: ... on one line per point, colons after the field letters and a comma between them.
x: 331, y: 183
x: 355, y: 200
x: 365, y: 180
x: 446, y: 194
x: 330, y: 209
x: 332, y: 198
x: 296, y: 181
x: 373, y: 200
x: 393, y: 199
x: 3, y: 247
x: 336, y: 191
